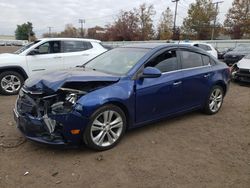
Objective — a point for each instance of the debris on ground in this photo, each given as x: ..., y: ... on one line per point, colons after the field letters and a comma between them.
x: 55, y: 174
x: 58, y: 182
x: 99, y: 158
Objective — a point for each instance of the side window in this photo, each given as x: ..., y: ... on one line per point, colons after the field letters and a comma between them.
x: 209, y: 48
x: 55, y: 47
x: 49, y: 47
x: 206, y: 60
x: 43, y: 48
x: 76, y: 46
x: 191, y: 59
x: 165, y: 62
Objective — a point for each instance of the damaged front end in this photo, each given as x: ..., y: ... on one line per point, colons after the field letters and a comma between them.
x: 54, y: 118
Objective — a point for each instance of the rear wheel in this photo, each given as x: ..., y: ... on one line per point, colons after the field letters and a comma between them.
x: 215, y: 100
x: 10, y: 82
x: 106, y: 128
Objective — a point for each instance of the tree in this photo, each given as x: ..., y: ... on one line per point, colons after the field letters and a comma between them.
x: 69, y: 31
x: 237, y: 22
x: 198, y: 23
x: 165, y: 27
x: 52, y: 34
x: 136, y: 24
x: 145, y: 21
x: 125, y: 27
x: 24, y: 31
x: 97, y: 32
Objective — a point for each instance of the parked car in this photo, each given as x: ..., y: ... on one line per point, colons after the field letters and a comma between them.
x: 241, y: 71
x: 236, y: 54
x: 123, y: 88
x: 222, y: 51
x: 207, y: 47
x: 44, y: 55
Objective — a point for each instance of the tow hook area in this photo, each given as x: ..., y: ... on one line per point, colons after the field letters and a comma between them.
x: 50, y: 123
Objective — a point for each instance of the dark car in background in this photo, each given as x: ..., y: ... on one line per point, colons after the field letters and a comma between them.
x: 123, y: 88
x: 237, y: 54
x: 222, y: 51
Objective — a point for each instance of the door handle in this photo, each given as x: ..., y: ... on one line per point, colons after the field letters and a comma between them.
x: 57, y: 57
x: 177, y: 83
x: 85, y: 54
x: 206, y: 75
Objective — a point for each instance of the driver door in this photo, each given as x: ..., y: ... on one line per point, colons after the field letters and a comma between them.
x: 46, y: 57
x: 158, y: 97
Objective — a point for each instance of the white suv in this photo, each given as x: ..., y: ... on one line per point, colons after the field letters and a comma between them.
x: 207, y: 47
x: 46, y: 54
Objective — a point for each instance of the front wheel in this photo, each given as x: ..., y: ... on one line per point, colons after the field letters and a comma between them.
x: 214, y: 101
x: 10, y: 83
x: 106, y: 128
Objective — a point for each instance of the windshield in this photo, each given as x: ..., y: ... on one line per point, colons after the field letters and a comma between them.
x: 25, y: 47
x: 242, y: 48
x: 117, y: 61
x: 247, y: 56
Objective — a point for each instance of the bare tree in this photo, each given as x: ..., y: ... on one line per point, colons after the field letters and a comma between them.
x: 145, y: 14
x: 165, y: 26
x: 237, y: 22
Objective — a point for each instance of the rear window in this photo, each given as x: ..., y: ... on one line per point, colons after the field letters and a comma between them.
x: 191, y: 59
x: 206, y: 60
x: 76, y: 46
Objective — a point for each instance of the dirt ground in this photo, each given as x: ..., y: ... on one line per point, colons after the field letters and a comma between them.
x: 194, y: 150
x: 8, y: 49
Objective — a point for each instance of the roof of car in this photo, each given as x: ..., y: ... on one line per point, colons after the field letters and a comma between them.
x: 147, y: 45
x: 157, y: 45
x: 193, y: 43
x: 75, y: 39
x: 163, y: 45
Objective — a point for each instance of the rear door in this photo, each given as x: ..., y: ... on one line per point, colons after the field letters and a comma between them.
x: 197, y: 73
x: 48, y: 57
x: 158, y: 97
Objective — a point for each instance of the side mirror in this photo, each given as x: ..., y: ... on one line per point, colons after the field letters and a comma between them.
x: 34, y: 52
x: 150, y: 72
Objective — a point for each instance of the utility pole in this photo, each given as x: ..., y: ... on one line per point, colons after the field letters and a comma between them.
x: 49, y: 31
x: 82, y: 21
x: 215, y: 18
x: 175, y: 14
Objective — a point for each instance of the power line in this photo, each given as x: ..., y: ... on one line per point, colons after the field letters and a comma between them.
x: 176, y: 6
x: 215, y: 18
x: 49, y: 30
x: 82, y: 21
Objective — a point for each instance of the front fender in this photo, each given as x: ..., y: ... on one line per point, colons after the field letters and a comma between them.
x: 121, y: 92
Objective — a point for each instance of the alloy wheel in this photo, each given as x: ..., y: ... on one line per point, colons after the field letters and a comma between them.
x: 10, y: 83
x: 106, y: 128
x: 215, y: 100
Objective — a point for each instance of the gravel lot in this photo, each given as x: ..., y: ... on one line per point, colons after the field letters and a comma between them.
x: 194, y: 150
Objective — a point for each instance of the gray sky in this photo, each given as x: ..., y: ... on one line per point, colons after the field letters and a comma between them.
x: 57, y: 13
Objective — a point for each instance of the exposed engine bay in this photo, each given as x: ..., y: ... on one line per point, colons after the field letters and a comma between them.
x: 46, y: 106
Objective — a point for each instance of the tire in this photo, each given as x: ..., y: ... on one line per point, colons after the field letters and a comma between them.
x: 214, y: 101
x: 10, y: 82
x: 99, y: 134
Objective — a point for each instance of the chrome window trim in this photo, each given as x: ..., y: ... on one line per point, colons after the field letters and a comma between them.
x: 209, y: 65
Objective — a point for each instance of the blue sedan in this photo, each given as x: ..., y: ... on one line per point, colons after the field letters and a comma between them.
x: 123, y: 88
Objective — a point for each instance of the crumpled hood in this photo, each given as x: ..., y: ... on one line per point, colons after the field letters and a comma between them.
x: 244, y: 64
x: 52, y: 81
